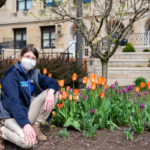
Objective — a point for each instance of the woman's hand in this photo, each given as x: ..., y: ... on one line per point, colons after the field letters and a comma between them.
x: 49, y: 102
x: 29, y: 134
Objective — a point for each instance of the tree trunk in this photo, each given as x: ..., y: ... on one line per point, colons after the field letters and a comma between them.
x: 104, y: 68
x: 79, y: 38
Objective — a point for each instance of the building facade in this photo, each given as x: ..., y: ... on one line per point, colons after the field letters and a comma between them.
x: 23, y: 22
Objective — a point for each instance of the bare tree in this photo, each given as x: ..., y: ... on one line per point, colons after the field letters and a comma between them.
x: 106, y: 24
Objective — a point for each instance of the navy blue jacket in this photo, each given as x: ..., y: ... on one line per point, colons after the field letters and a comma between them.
x: 16, y: 95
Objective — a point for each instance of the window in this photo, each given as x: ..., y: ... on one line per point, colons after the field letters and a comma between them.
x: 19, y: 38
x: 24, y: 4
x: 54, y: 3
x: 48, y: 37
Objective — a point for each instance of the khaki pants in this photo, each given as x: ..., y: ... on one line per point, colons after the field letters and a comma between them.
x: 11, y: 130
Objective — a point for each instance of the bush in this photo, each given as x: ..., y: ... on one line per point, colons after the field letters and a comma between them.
x: 61, y: 68
x: 138, y: 81
x: 4, y: 65
x: 129, y: 48
x: 146, y: 50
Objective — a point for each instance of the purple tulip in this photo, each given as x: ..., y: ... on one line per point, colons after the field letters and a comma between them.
x: 130, y: 87
x: 88, y: 87
x: 84, y: 97
x: 134, y: 101
x: 139, y: 94
x: 59, y: 92
x: 92, y: 111
x: 120, y: 91
x: 124, y: 90
x: 116, y: 83
x: 142, y: 106
x: 146, y: 92
x: 70, y: 89
x: 112, y: 86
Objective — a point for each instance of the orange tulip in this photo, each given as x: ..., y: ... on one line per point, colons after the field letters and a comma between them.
x: 39, y: 71
x: 76, y: 91
x: 102, y: 94
x: 67, y: 88
x: 53, y: 113
x: 99, y: 80
x: 143, y: 84
x: 70, y: 97
x: 103, y: 81
x: 49, y: 75
x: 61, y: 105
x: 74, y: 77
x: 44, y: 70
x: 92, y: 77
x: 148, y: 85
x: 137, y: 89
x: 75, y: 98
x: 107, y: 86
x: 93, y: 85
x: 61, y: 83
x: 84, y: 81
x: 65, y: 94
x: 60, y: 97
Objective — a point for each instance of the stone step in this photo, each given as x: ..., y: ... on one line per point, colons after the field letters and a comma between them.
x: 137, y: 55
x: 125, y: 72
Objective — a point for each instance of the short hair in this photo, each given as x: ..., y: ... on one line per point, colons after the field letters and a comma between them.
x: 30, y: 48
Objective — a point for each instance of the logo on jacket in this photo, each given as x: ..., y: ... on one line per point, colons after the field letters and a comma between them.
x: 24, y: 83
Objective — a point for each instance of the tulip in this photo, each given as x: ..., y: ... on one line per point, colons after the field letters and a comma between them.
x: 84, y: 81
x: 60, y: 97
x: 93, y: 85
x: 61, y: 83
x: 107, y: 86
x: 75, y: 98
x: 120, y: 91
x: 130, y: 87
x: 142, y: 106
x: 139, y: 94
x: 61, y: 105
x: 39, y: 71
x: 76, y: 91
x: 124, y: 90
x: 146, y: 92
x: 92, y: 111
x: 74, y: 77
x: 116, y: 83
x: 70, y: 97
x: 67, y: 88
x: 84, y: 97
x: 137, y: 89
x: 103, y: 81
x: 88, y: 87
x: 49, y: 75
x: 148, y: 85
x: 53, y: 113
x: 134, y: 101
x: 44, y: 70
x: 112, y: 86
x: 64, y: 95
x: 92, y: 77
x: 143, y: 84
x: 99, y: 80
x: 102, y: 94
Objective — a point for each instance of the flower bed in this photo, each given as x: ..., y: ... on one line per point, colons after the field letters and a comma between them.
x: 101, y: 106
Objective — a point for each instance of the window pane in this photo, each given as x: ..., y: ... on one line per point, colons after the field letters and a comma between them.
x: 49, y: 2
x: 45, y: 43
x: 53, y: 43
x: 18, y: 36
x: 29, y: 4
x: 45, y: 35
x: 21, y: 5
x: 24, y: 37
x: 53, y: 35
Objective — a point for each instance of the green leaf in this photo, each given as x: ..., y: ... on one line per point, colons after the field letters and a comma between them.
x: 72, y: 123
x: 63, y: 133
